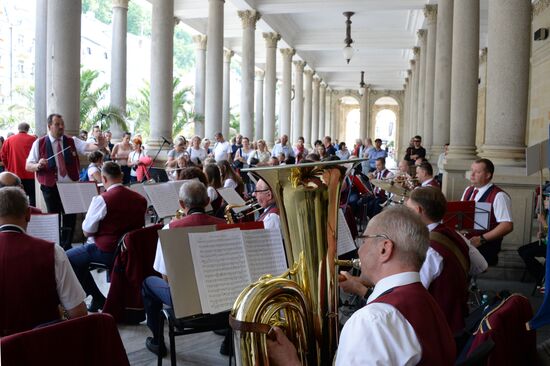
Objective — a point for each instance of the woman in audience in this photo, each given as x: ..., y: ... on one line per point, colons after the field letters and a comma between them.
x: 259, y: 156
x: 343, y: 152
x: 213, y: 176
x: 197, y: 154
x: 193, y: 173
x: 230, y: 178
x: 206, y: 146
x: 243, y: 153
x: 179, y: 150
x: 94, y: 169
x: 321, y: 151
x: 120, y: 154
x: 300, y: 150
x: 133, y: 158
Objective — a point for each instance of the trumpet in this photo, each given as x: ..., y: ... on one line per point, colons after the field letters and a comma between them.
x: 253, y: 207
x: 354, y: 263
x: 179, y: 214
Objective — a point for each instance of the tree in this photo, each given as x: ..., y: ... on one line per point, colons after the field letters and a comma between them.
x: 90, y: 97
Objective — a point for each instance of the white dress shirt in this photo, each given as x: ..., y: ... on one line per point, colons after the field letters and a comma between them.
x: 34, y: 154
x: 222, y: 150
x: 502, y: 205
x: 272, y: 221
x: 378, y: 334
x: 280, y: 149
x: 96, y: 212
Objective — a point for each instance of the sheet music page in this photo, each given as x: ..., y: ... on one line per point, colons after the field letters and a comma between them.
x: 45, y: 226
x: 232, y: 198
x: 138, y: 188
x: 220, y: 268
x: 177, y: 184
x: 164, y: 198
x: 482, y: 216
x: 345, y: 242
x: 76, y: 197
x: 265, y: 253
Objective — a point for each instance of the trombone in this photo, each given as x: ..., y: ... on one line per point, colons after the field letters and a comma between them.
x: 252, y: 207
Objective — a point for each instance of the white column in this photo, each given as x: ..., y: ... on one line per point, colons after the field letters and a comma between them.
x: 40, y: 61
x: 259, y: 103
x: 249, y: 19
x: 364, y: 115
x: 286, y: 89
x: 162, y: 49
x: 118, y: 62
x: 63, y: 62
x: 200, y: 82
x: 421, y: 80
x: 298, y: 126
x: 226, y: 110
x: 214, y: 69
x: 308, y: 85
x: 328, y: 113
x: 322, y: 109
x: 404, y: 134
x: 442, y: 84
x: 507, y: 81
x: 268, y: 128
x: 315, y: 108
x: 415, y: 65
x: 430, y: 12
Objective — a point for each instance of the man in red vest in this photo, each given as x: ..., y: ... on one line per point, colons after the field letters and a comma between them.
x: 266, y: 200
x: 54, y: 158
x: 425, y: 175
x: 401, y: 323
x: 111, y: 215
x: 500, y: 223
x: 14, y: 155
x: 156, y: 291
x: 35, y: 275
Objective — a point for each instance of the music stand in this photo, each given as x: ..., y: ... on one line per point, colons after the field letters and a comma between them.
x: 461, y: 215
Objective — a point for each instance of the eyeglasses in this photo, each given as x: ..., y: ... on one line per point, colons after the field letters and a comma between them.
x: 261, y: 190
x: 374, y: 236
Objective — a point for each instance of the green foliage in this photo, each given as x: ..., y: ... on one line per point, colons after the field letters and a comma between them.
x: 91, y: 95
x: 139, y: 19
x: 184, y: 54
x: 102, y: 9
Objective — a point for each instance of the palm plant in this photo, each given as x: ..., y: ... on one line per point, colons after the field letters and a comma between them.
x: 90, y: 97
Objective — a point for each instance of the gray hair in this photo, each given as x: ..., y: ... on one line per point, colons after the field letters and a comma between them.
x: 193, y: 194
x: 13, y: 202
x: 405, y: 229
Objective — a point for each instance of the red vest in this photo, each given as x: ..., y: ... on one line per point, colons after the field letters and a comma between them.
x: 125, y: 212
x: 420, y: 309
x: 380, y: 192
x: 450, y: 288
x: 198, y: 219
x: 28, y: 292
x: 48, y: 175
x: 271, y: 209
x: 433, y: 183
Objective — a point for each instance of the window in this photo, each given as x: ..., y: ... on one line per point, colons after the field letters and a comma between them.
x: 89, y: 50
x: 20, y: 67
x: 106, y: 56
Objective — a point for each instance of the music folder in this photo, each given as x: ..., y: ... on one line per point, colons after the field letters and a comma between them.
x: 467, y: 215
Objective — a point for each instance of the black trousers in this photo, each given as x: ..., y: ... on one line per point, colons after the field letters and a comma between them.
x: 28, y: 186
x: 66, y: 222
x: 528, y: 253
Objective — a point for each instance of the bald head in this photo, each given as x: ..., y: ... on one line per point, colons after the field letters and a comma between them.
x: 8, y: 179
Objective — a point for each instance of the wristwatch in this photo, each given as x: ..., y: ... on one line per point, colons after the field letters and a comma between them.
x: 482, y: 239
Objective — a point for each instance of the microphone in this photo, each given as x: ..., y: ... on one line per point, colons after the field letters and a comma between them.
x: 166, y: 140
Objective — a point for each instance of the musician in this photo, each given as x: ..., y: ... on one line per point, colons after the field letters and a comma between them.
x: 425, y: 175
x: 380, y: 196
x: 155, y: 290
x: 36, y: 276
x: 401, y: 323
x: 482, y: 190
x: 266, y: 200
x: 54, y: 158
x: 8, y: 179
x: 112, y: 214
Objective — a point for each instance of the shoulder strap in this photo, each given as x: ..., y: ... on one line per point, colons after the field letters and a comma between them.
x: 447, y: 243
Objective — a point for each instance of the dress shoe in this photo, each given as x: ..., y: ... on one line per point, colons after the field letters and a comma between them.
x: 96, y: 305
x: 156, y: 348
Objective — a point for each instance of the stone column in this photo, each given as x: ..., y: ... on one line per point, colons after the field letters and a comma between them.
x: 200, y: 82
x: 226, y: 110
x: 40, y: 61
x: 415, y: 65
x: 118, y: 62
x: 315, y: 108
x: 404, y: 133
x: 464, y: 77
x: 162, y: 66
x: 268, y: 128
x: 328, y: 113
x: 286, y: 90
x: 421, y: 80
x: 322, y: 109
x: 298, y: 126
x: 364, y: 115
x: 249, y: 19
x: 442, y: 84
x: 507, y: 82
x: 63, y: 62
x: 259, y: 103
x: 430, y: 12
x: 214, y: 69
x: 308, y: 85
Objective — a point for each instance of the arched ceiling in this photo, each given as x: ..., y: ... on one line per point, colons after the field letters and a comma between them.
x: 384, y: 32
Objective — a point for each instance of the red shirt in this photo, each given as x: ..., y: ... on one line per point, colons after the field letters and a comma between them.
x: 14, y: 154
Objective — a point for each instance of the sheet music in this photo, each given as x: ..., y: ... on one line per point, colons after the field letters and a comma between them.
x: 345, y: 240
x: 265, y: 253
x: 44, y: 226
x: 482, y: 216
x: 164, y: 198
x: 76, y: 197
x: 232, y: 198
x: 138, y: 188
x: 220, y: 267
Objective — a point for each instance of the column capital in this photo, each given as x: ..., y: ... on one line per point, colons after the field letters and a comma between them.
x: 271, y: 39
x: 309, y: 72
x: 412, y: 63
x: 430, y: 12
x: 317, y: 80
x: 259, y: 74
x: 200, y: 41
x: 483, y: 55
x: 120, y: 4
x: 421, y: 33
x: 227, y: 55
x: 416, y: 51
x: 249, y: 18
x: 323, y: 85
x: 299, y: 65
x: 176, y: 21
x: 409, y: 73
x: 540, y: 6
x: 288, y: 52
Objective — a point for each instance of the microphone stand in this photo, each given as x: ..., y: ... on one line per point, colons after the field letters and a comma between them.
x: 157, y: 154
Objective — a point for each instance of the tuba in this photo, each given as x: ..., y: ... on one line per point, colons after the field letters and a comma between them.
x: 304, y: 305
